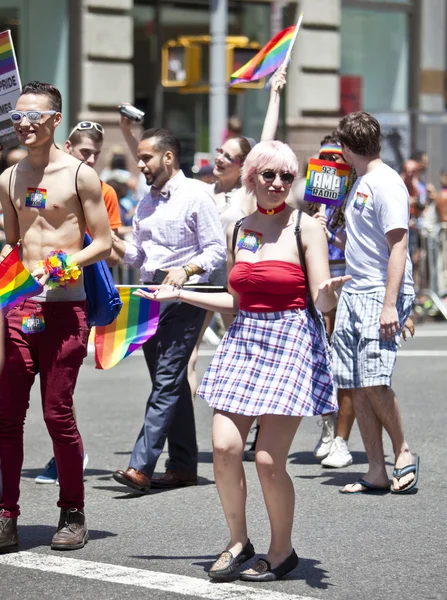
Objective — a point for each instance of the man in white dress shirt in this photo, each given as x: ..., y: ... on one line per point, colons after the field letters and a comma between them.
x: 177, y: 238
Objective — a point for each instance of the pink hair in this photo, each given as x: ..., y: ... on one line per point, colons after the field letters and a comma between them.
x: 273, y: 155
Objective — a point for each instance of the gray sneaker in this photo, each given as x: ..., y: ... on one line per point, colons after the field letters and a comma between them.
x: 9, y: 537
x: 72, y: 532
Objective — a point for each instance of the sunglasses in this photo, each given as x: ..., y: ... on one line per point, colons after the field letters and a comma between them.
x: 86, y: 126
x: 33, y: 116
x: 270, y: 176
x: 227, y: 157
x: 330, y: 157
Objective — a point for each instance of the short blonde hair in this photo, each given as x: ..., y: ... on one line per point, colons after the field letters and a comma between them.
x: 273, y: 155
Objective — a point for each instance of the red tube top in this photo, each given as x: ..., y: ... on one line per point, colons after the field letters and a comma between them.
x: 269, y: 285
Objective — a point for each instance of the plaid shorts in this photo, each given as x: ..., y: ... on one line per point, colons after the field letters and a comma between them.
x: 272, y: 363
x: 360, y: 357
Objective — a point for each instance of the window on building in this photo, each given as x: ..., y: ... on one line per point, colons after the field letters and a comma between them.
x: 374, y: 60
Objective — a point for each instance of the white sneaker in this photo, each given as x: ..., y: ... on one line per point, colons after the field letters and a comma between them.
x: 323, y: 447
x: 339, y: 456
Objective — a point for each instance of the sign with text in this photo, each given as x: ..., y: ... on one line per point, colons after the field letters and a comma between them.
x: 326, y: 182
x: 10, y: 88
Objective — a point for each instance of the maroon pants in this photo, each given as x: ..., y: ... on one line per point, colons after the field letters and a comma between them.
x: 56, y: 353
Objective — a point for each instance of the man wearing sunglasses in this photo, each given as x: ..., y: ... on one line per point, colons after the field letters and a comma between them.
x: 48, y: 200
x: 85, y: 143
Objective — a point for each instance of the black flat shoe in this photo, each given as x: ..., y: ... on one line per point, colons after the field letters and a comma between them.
x: 227, y: 564
x: 262, y: 570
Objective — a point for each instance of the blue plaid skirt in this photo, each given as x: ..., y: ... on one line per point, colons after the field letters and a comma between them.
x: 273, y: 363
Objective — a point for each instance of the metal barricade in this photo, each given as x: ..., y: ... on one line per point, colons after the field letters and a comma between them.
x: 431, y: 271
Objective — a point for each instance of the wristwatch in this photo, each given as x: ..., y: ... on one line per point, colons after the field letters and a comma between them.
x: 188, y: 271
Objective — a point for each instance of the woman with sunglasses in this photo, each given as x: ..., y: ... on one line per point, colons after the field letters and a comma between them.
x: 234, y: 202
x: 272, y: 363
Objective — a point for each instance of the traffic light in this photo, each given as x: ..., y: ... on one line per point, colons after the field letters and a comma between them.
x: 180, y: 64
x: 185, y: 63
x: 237, y: 57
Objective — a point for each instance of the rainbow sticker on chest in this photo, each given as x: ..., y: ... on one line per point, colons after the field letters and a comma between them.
x: 250, y: 240
x: 36, y: 197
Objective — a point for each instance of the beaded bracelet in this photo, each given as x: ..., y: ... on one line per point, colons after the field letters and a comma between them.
x: 61, y: 268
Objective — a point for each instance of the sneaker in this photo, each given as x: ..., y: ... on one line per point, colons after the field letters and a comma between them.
x: 250, y: 454
x: 339, y: 456
x: 329, y: 424
x: 49, y: 475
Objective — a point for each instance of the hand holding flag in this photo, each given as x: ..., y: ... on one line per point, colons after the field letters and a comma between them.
x: 16, y: 282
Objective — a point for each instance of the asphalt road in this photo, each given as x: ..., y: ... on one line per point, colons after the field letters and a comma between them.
x: 161, y: 545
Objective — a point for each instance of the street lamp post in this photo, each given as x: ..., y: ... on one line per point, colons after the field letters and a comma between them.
x: 218, y: 72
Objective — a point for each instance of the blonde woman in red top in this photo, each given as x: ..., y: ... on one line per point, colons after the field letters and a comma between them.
x: 272, y: 362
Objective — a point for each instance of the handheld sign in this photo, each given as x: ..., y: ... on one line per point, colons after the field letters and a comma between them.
x: 326, y: 182
x: 10, y: 88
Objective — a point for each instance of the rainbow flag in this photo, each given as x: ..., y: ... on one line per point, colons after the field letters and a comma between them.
x: 7, y: 62
x: 135, y: 324
x: 267, y: 60
x: 16, y: 282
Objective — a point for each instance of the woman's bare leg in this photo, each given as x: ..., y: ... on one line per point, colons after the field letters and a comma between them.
x: 272, y: 449
x: 229, y: 436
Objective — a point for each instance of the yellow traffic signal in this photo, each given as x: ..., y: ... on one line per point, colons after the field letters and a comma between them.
x: 185, y: 63
x: 180, y: 64
x: 237, y: 57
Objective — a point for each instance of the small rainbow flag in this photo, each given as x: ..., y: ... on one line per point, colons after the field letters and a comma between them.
x: 268, y: 59
x: 135, y: 324
x: 7, y: 62
x: 16, y: 282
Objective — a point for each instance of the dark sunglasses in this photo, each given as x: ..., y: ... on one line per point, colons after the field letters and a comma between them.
x: 270, y: 176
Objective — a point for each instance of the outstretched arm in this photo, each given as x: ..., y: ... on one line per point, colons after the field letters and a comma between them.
x: 272, y: 116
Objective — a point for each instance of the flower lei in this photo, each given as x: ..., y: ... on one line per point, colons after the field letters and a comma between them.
x: 61, y: 268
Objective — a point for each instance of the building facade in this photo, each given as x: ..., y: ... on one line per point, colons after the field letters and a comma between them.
x: 387, y: 57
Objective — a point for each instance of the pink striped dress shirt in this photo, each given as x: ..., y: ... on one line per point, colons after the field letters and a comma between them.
x: 175, y: 226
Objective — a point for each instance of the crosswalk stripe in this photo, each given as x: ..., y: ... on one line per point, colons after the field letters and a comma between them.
x: 143, y: 578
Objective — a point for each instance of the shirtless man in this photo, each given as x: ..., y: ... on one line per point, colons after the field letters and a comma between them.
x: 48, y: 200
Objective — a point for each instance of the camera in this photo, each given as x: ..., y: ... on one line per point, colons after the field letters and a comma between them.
x: 132, y: 113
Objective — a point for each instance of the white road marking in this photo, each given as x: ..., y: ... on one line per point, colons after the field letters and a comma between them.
x: 154, y: 580
x: 421, y: 353
x: 427, y: 333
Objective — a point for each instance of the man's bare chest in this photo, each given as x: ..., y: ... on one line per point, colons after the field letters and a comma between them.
x: 52, y: 196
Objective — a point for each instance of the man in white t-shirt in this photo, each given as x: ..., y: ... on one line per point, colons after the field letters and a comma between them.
x: 375, y: 303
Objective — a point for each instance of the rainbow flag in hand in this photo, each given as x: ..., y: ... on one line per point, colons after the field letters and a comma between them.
x: 268, y: 59
x: 135, y: 324
x: 16, y: 282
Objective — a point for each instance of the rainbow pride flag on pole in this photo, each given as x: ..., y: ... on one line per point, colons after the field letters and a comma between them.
x: 274, y: 54
x: 16, y: 282
x: 135, y: 324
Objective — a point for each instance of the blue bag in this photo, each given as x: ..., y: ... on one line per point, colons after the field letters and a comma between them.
x: 103, y: 300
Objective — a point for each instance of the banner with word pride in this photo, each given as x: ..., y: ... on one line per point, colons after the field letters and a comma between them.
x: 10, y: 88
x: 326, y: 182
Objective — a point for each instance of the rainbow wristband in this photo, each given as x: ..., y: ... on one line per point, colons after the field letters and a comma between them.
x: 61, y: 268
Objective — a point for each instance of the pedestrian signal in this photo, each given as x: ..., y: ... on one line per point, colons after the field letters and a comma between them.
x: 180, y: 64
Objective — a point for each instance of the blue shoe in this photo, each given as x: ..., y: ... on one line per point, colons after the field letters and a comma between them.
x: 85, y: 463
x: 50, y: 473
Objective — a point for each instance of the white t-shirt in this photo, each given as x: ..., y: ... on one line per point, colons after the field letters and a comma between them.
x: 378, y: 203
